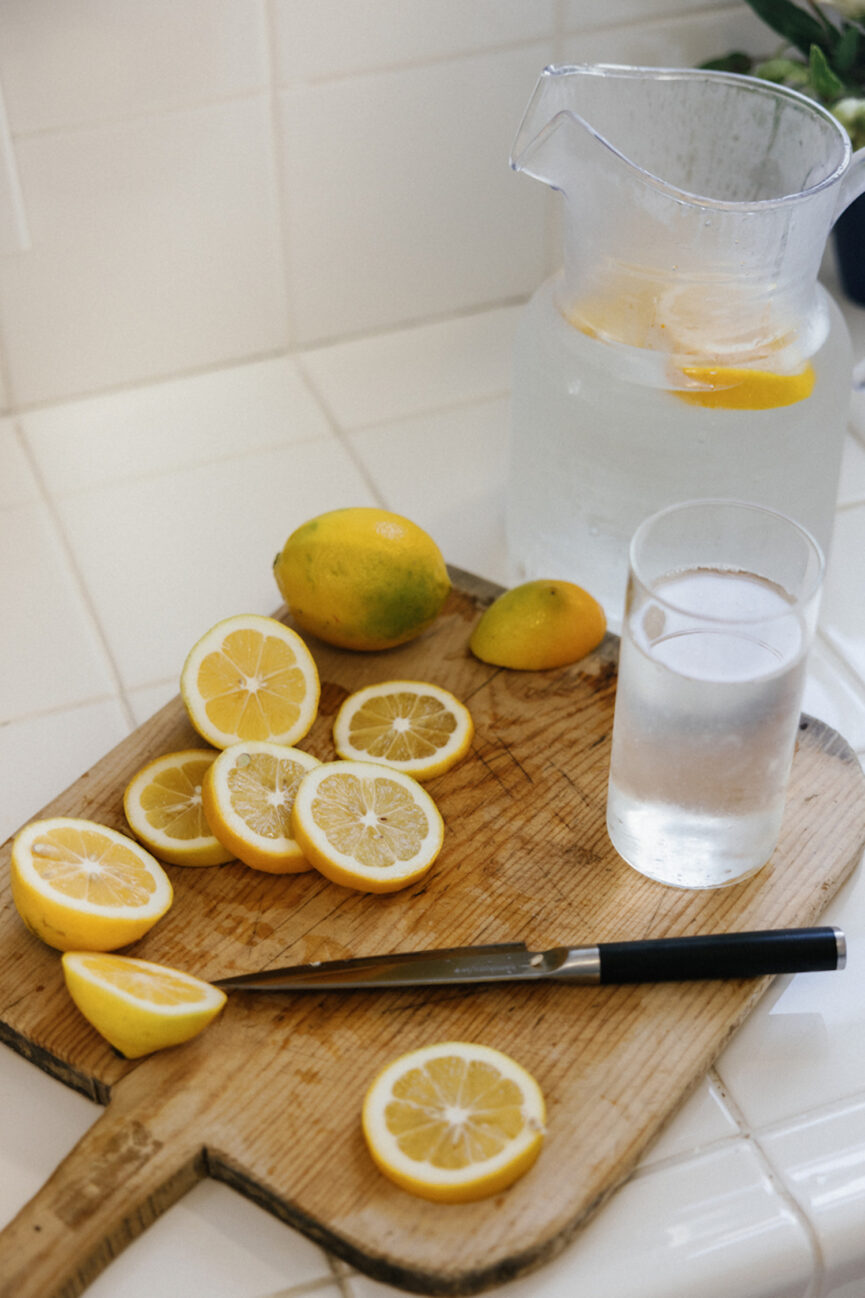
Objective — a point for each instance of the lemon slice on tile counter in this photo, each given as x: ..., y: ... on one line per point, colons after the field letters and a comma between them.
x: 412, y: 726
x: 248, y: 797
x: 250, y: 677
x: 454, y: 1122
x: 77, y: 884
x: 163, y: 806
x: 138, y: 1006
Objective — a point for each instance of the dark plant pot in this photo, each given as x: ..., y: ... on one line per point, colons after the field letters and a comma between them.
x: 849, y: 236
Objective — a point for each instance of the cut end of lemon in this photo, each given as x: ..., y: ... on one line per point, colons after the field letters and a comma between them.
x: 248, y: 796
x: 365, y: 826
x: 79, y: 885
x: 722, y: 387
x: 411, y: 726
x: 137, y: 1006
x: 454, y: 1122
x: 164, y: 809
x: 538, y: 625
x: 250, y: 677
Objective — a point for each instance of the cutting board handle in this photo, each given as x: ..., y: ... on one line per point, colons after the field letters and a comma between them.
x: 136, y: 1160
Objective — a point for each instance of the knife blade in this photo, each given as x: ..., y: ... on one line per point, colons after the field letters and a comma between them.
x: 671, y: 959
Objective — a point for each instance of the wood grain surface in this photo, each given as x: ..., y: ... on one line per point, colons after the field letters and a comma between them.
x: 268, y: 1099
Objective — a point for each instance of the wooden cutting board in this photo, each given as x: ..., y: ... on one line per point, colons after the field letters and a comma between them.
x: 268, y: 1099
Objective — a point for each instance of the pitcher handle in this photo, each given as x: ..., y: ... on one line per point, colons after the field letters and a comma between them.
x: 853, y: 183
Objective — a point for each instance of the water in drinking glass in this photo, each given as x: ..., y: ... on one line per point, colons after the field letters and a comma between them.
x: 707, y: 710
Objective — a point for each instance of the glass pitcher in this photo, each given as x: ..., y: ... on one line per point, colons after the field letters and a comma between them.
x: 686, y: 348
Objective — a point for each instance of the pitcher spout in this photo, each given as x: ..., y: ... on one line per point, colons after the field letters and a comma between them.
x: 552, y: 134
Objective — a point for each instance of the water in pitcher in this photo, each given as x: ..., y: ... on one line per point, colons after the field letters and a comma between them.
x: 606, y: 433
x: 696, y: 702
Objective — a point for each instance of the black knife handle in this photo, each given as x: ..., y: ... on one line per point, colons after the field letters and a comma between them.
x: 723, y: 955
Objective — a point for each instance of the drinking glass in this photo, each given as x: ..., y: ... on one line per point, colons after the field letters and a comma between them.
x: 721, y: 607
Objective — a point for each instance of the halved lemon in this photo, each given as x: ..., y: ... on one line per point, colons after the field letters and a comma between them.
x: 250, y: 677
x: 248, y: 796
x: 366, y: 826
x: 163, y: 806
x: 454, y: 1122
x: 79, y: 885
x: 138, y: 1006
x: 412, y: 726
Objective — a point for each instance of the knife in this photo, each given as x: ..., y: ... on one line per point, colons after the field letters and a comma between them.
x: 666, y: 959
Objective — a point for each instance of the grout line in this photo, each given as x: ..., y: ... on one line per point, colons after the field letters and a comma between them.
x: 366, y: 71
x: 779, y: 1184
x: 87, y: 600
x: 186, y: 466
x: 780, y: 1187
x: 39, y: 713
x: 409, y: 416
x: 292, y: 353
x: 343, y: 438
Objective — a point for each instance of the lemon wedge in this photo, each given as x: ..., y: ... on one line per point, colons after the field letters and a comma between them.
x: 538, y: 625
x: 137, y: 1006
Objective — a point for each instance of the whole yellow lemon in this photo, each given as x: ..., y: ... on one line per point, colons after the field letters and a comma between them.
x: 537, y: 625
x: 362, y: 578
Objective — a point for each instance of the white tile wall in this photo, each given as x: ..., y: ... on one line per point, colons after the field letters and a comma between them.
x: 211, y: 181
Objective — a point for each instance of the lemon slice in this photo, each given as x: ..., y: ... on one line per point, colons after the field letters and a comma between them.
x: 248, y: 796
x: 163, y: 806
x: 79, y: 885
x: 250, y: 677
x: 454, y: 1122
x: 366, y: 826
x: 137, y: 1006
x: 722, y: 387
x: 409, y: 725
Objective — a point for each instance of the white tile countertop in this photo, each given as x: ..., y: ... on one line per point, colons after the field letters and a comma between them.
x: 130, y: 522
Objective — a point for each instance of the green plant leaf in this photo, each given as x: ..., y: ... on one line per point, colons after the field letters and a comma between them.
x: 735, y: 61
x: 847, y: 49
x: 793, y: 23
x: 826, y: 83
